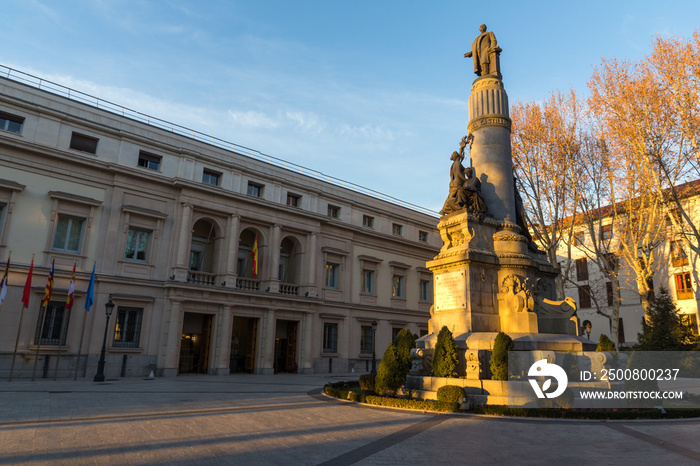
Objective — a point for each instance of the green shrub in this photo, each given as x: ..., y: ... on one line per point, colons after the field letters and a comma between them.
x: 353, y: 396
x: 405, y: 341
x: 367, y: 382
x: 453, y: 393
x: 499, y: 356
x: 663, y: 329
x: 605, y: 343
x: 445, y: 354
x: 444, y: 406
x: 389, y: 376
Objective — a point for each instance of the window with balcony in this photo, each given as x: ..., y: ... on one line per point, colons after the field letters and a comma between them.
x: 11, y: 123
x: 684, y: 286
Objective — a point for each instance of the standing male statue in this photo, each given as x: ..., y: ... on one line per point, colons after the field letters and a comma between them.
x: 484, y: 53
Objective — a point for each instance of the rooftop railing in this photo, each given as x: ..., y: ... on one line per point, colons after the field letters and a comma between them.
x: 58, y: 89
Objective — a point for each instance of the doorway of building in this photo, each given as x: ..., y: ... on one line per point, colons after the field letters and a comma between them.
x: 195, y: 343
x: 286, y: 346
x: 244, y: 337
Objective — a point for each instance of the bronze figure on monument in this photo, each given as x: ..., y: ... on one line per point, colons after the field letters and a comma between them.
x: 485, y: 52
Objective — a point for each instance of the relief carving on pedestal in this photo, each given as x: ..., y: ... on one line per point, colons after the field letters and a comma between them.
x: 516, y: 292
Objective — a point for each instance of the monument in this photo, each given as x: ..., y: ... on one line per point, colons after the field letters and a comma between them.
x: 489, y: 275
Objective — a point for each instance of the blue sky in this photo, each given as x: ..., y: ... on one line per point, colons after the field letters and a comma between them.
x: 371, y: 92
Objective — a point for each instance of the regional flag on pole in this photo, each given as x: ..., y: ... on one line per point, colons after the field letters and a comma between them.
x: 71, y: 290
x: 3, y: 285
x: 28, y: 285
x: 48, y: 291
x: 90, y: 291
x: 254, y: 256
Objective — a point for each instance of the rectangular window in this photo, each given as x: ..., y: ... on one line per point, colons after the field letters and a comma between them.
x: 684, y: 288
x: 330, y: 338
x: 581, y: 269
x: 579, y: 238
x: 690, y: 321
x: 333, y: 211
x: 11, y: 123
x: 137, y: 243
x: 423, y: 236
x: 678, y: 256
x: 293, y: 200
x: 425, y: 294
x: 609, y: 291
x: 83, y: 143
x: 674, y: 215
x: 332, y: 275
x: 606, y: 232
x: 397, y: 288
x: 584, y: 296
x: 394, y: 332
x: 255, y: 189
x: 211, y: 177
x: 368, y: 281
x: 57, y: 318
x: 69, y: 233
x: 367, y: 221
x: 3, y: 208
x: 366, y: 337
x: 620, y: 331
x: 128, y: 327
x: 149, y: 161
x: 612, y: 260
x: 397, y: 229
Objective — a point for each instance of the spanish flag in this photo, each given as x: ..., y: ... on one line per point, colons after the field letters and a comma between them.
x: 48, y: 291
x: 71, y: 290
x: 254, y: 256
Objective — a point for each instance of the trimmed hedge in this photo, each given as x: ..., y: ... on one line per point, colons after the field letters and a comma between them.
x: 453, y: 393
x: 367, y: 382
x: 428, y: 405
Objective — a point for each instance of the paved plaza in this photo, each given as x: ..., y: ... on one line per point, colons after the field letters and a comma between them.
x: 284, y: 419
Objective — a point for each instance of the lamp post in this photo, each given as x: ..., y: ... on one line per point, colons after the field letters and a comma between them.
x: 100, y: 376
x: 587, y: 326
x: 374, y: 345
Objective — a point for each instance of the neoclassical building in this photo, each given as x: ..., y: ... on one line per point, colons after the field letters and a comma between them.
x: 170, y: 219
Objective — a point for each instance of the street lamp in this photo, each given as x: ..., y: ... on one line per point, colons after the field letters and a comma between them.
x: 587, y: 326
x: 374, y: 345
x: 100, y: 376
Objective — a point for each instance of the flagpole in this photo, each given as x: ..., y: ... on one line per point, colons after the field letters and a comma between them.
x: 48, y: 291
x: 25, y: 304
x: 66, y: 316
x: 14, y: 355
x: 41, y: 334
x: 88, y: 303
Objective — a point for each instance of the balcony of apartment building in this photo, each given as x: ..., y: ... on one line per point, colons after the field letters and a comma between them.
x: 248, y: 258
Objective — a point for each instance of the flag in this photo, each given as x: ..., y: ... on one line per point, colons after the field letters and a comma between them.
x: 28, y: 286
x: 254, y: 256
x: 3, y: 284
x: 71, y: 290
x: 48, y: 291
x: 90, y: 291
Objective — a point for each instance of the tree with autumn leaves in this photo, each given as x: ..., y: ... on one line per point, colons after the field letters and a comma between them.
x: 615, y: 160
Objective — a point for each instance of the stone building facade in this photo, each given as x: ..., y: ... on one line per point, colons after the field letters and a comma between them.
x: 170, y: 221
